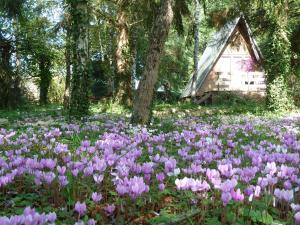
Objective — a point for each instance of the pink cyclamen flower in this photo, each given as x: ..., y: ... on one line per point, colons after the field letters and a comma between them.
x: 297, y: 218
x: 160, y: 177
x: 51, y: 217
x: 237, y: 195
x: 61, y: 170
x: 161, y: 187
x: 96, y: 197
x: 109, y: 209
x: 91, y: 222
x: 79, y: 223
x: 226, y: 197
x: 80, y: 208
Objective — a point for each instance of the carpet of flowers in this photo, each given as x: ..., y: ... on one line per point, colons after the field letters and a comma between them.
x: 232, y: 169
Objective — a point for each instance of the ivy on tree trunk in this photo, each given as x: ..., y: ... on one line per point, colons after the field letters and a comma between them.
x: 45, y: 78
x: 196, y: 45
x: 79, y: 102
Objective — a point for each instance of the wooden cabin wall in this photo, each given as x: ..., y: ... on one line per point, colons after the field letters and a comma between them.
x: 235, y: 70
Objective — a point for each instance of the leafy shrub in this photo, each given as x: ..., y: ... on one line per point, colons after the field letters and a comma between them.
x: 294, y: 84
x: 56, y: 90
x: 279, y: 96
x: 235, y: 99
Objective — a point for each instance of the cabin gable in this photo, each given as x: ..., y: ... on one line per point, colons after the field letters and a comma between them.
x: 236, y: 65
x: 235, y: 70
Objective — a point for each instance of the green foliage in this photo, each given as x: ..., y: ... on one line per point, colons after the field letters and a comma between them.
x: 56, y: 90
x: 12, y: 8
x: 280, y: 98
x: 108, y: 106
x: 164, y: 217
x: 101, y: 79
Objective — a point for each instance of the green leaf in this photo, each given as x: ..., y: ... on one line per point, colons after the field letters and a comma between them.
x: 213, y: 221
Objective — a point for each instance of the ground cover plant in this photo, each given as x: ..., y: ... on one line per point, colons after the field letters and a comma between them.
x: 213, y: 169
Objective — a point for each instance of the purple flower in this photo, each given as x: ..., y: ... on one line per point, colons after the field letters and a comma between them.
x: 79, y: 223
x: 96, y: 197
x: 297, y: 218
x: 228, y: 185
x: 249, y: 190
x: 295, y: 207
x: 88, y: 171
x: 226, y: 170
x: 160, y: 177
x: 60, y: 148
x: 61, y: 170
x: 98, y: 178
x: 237, y: 195
x: 80, y: 208
x: 75, y: 172
x: 109, y: 209
x: 170, y: 165
x: 48, y: 163
x: 51, y: 217
x: 287, y: 185
x: 286, y: 195
x: 85, y: 143
x: 191, y: 184
x: 161, y: 187
x: 134, y: 187
x: 257, y: 191
x: 63, y: 180
x: 271, y: 168
x: 226, y: 197
x: 91, y: 222
x: 49, y: 177
x: 147, y: 168
x: 29, y: 216
x: 183, y: 184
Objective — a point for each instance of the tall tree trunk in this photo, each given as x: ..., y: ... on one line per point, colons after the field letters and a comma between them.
x: 100, y: 42
x: 196, y: 46
x: 134, y: 64
x: 142, y: 103
x: 79, y: 103
x: 123, y: 93
x: 6, y: 75
x: 45, y: 78
x: 68, y: 71
x: 112, y: 62
x: 15, y: 91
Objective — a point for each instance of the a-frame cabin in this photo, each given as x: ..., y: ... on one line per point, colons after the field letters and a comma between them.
x: 232, y: 62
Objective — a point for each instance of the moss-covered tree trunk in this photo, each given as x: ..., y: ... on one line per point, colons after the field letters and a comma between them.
x: 45, y: 78
x: 142, y: 102
x: 196, y: 45
x: 79, y: 102
x: 123, y: 94
x: 6, y: 75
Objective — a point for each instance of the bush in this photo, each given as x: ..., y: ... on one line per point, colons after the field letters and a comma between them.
x: 280, y: 98
x: 56, y: 90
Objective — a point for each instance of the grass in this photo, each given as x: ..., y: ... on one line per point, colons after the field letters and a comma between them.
x: 160, y: 110
x: 31, y: 111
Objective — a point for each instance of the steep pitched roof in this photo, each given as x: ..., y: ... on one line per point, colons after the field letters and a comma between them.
x: 215, y: 48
